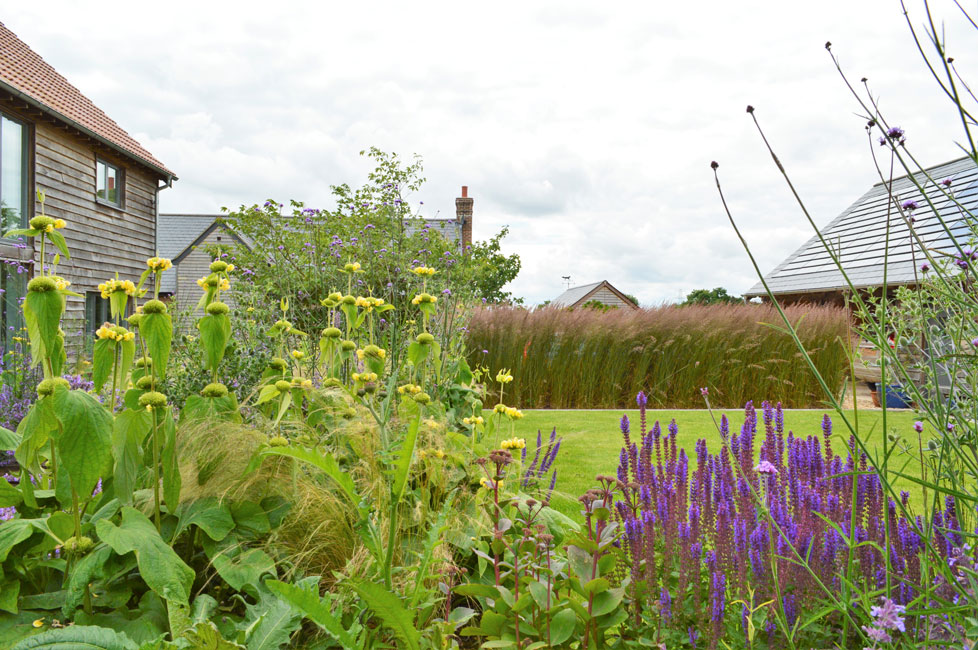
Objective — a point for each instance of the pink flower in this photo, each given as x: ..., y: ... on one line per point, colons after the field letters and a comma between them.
x: 765, y: 467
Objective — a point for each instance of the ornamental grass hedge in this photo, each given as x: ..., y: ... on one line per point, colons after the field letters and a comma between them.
x: 586, y: 358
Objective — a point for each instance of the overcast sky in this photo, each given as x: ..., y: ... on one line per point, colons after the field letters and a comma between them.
x: 588, y: 128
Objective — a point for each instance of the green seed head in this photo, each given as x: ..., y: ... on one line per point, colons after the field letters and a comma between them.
x: 283, y: 385
x: 279, y: 441
x: 278, y: 363
x: 47, y: 386
x: 144, y: 362
x: 217, y: 308
x: 349, y: 300
x: 422, y: 398
x: 134, y: 319
x: 332, y: 382
x: 153, y: 399
x: 42, y: 285
x: 218, y: 266
x: 424, y: 338
x: 336, y: 297
x: 41, y: 222
x: 214, y: 390
x: 332, y: 332
x: 78, y: 545
x: 348, y: 346
x: 154, y: 307
x: 144, y: 383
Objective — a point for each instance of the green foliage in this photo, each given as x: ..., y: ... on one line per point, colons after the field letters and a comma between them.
x: 717, y: 296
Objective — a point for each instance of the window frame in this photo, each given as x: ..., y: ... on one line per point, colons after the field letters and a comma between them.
x: 120, y: 175
x: 95, y: 306
x: 10, y: 303
x: 26, y: 171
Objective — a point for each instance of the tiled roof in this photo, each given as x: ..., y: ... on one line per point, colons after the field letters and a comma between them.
x: 859, y: 235
x: 571, y: 297
x: 24, y: 71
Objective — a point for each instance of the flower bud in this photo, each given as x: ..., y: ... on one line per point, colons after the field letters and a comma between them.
x: 144, y: 383
x: 348, y: 346
x: 421, y: 398
x: 332, y: 332
x: 279, y: 441
x: 47, y: 386
x: 349, y: 300
x: 424, y: 338
x: 215, y: 390
x: 42, y: 285
x: 144, y: 362
x: 283, y: 385
x: 154, y: 307
x: 217, y: 266
x: 217, y: 309
x: 278, y: 363
x: 332, y: 382
x: 78, y: 545
x: 152, y: 399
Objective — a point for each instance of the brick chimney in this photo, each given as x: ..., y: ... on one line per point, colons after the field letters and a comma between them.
x: 463, y: 214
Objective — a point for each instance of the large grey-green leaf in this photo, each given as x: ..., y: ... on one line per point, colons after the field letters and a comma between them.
x: 82, y: 573
x: 10, y: 497
x: 45, y: 310
x: 8, y: 440
x: 85, y: 441
x: 157, y: 331
x: 159, y: 565
x: 315, y: 609
x: 215, y: 332
x: 103, y: 360
x: 209, y: 514
x: 14, y: 532
x: 237, y: 565
x: 388, y: 608
x: 130, y: 428
x: 205, y: 636
x: 272, y: 620
x: 78, y: 637
x: 403, y: 464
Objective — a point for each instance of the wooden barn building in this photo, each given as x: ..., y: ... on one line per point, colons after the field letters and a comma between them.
x: 597, y: 292
x: 95, y: 176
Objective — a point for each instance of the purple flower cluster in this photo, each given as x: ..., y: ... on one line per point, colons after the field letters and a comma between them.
x: 536, y: 471
x: 702, y: 527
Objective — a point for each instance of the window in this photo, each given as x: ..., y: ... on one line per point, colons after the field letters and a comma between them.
x: 13, y: 174
x: 13, y: 286
x: 110, y: 183
x: 96, y: 311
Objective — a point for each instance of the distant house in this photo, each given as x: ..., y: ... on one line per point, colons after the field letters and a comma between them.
x: 871, y: 231
x: 602, y: 292
x: 95, y: 176
x: 187, y: 239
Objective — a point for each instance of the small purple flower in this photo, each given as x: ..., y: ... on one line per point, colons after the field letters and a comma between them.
x: 887, y: 616
x: 950, y: 427
x: 693, y: 635
x: 909, y: 205
x: 485, y: 352
x: 894, y: 133
x: 765, y: 467
x: 641, y: 399
x: 946, y: 182
x: 925, y: 267
x: 918, y: 426
x: 705, y: 392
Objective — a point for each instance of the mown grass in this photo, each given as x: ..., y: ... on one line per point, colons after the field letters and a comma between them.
x: 590, y: 359
x: 592, y: 439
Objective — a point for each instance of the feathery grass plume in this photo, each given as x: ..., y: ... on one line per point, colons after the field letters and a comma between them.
x: 589, y: 359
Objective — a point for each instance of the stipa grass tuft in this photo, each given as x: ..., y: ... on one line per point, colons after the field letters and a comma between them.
x: 590, y: 359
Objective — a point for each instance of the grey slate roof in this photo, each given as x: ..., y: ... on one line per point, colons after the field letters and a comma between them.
x: 574, y: 294
x: 450, y: 229
x: 859, y: 235
x: 174, y: 234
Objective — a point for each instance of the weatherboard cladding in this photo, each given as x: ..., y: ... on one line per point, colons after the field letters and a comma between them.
x: 571, y: 297
x: 860, y: 239
x: 184, y: 239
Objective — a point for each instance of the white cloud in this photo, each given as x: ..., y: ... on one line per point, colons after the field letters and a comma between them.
x: 589, y: 130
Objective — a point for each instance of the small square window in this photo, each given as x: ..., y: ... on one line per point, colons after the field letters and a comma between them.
x: 110, y: 183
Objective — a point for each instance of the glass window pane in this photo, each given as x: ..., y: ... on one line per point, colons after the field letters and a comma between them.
x: 100, y: 180
x: 13, y: 285
x: 112, y: 184
x: 12, y: 176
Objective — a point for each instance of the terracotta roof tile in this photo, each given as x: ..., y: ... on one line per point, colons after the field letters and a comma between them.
x: 24, y: 70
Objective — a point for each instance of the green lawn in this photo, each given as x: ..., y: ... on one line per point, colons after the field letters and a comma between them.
x: 592, y: 439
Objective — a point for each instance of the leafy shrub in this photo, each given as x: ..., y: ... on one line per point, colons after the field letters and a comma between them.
x: 587, y: 359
